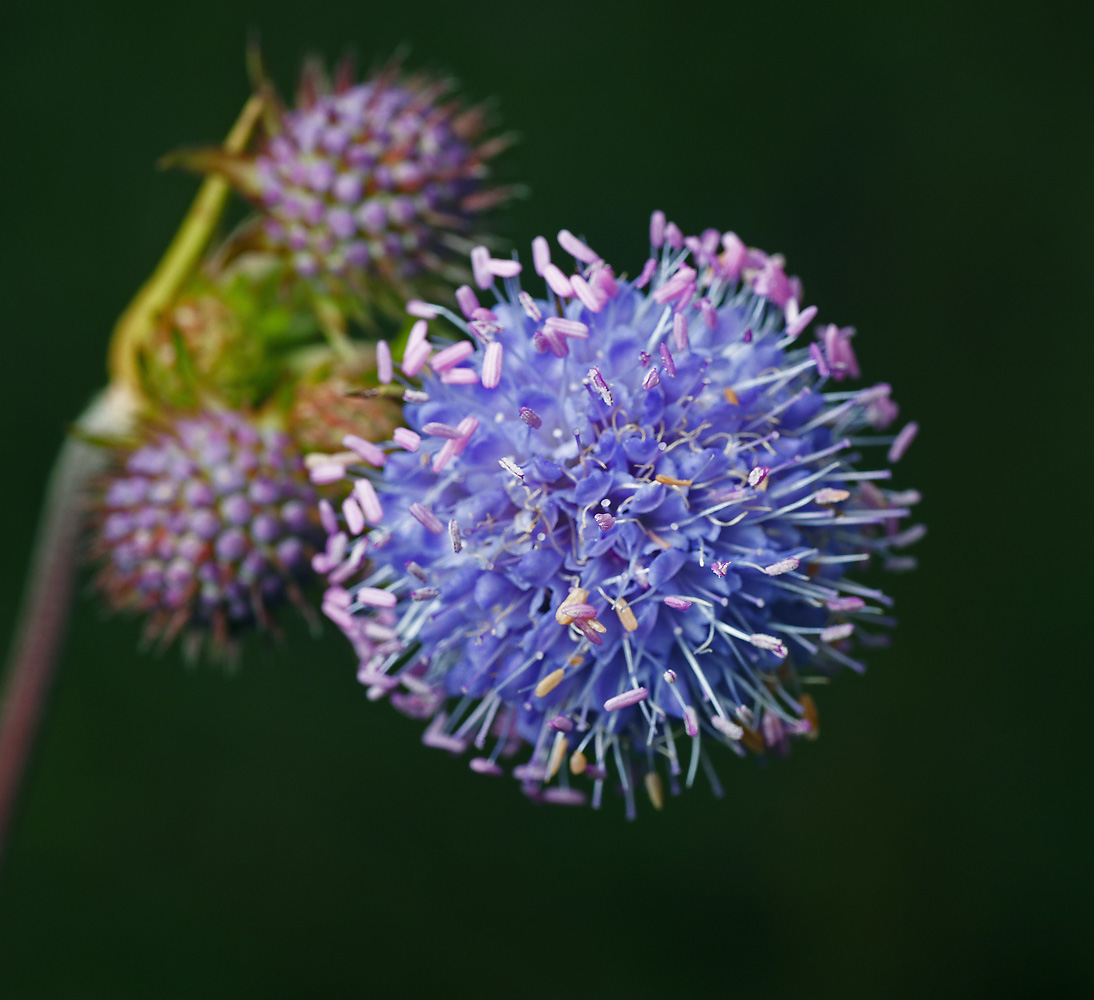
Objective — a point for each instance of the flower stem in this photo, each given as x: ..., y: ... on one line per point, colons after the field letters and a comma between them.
x: 42, y: 617
x: 178, y: 263
x: 44, y: 612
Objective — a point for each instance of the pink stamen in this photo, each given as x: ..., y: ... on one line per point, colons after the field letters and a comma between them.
x: 491, y: 365
x: 626, y: 699
x: 452, y: 356
x: 834, y: 633
x: 327, y: 518
x: 734, y: 256
x: 568, y: 327
x: 845, y: 604
x: 434, y: 737
x: 467, y: 300
x: 466, y: 427
x: 483, y: 329
x: 340, y: 617
x: 561, y: 724
x: 652, y: 378
x: 426, y: 518
x: 460, y: 376
x: 385, y: 370
x: 683, y: 300
x: 559, y: 796
x: 818, y: 359
x: 435, y: 428
x: 528, y: 304
x: 903, y: 439
x: 483, y: 765
x: 782, y: 566
x: 557, y: 281
x: 530, y: 772
x: 355, y: 518
x: 531, y: 418
x: 727, y: 728
x: 423, y: 310
x: 338, y: 596
x: 555, y: 341
x: 680, y: 332
x: 366, y: 449
x: 719, y: 567
x: 675, y: 286
x: 576, y: 248
x: 677, y: 603
x: 605, y: 521
x: 666, y: 359
x: 768, y: 642
x: 541, y: 255
x: 366, y: 496
x: 657, y: 229
x: 585, y: 294
x: 673, y: 236
x: 480, y: 267
x: 417, y: 334
x: 454, y: 535
x: 326, y: 473
x: 801, y: 321
x: 603, y: 281
x: 710, y: 315
x: 691, y: 721
x: 415, y: 356
x: 647, y: 272
x: 501, y: 268
x: 589, y: 632
x: 583, y: 611
x: 375, y: 598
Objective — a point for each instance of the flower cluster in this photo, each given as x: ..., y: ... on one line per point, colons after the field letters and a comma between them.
x: 206, y: 524
x: 378, y: 178
x: 623, y: 520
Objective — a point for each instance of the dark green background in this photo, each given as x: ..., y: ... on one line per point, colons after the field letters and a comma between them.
x: 927, y: 169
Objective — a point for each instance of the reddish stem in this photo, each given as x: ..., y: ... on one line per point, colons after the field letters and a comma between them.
x: 42, y: 617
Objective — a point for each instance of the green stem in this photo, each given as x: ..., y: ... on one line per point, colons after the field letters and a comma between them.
x: 184, y: 254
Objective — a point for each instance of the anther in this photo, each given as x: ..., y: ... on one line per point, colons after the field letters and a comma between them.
x: 558, y: 752
x: 626, y: 699
x: 626, y: 615
x: 758, y: 475
x: 655, y: 790
x: 578, y: 595
x: 426, y: 518
x: 549, y: 683
x: 671, y: 480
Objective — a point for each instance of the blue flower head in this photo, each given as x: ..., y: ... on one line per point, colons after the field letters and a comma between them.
x: 624, y: 520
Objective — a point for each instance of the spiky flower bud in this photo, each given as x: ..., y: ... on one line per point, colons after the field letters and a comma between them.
x: 374, y: 180
x: 689, y: 408
x: 205, y: 525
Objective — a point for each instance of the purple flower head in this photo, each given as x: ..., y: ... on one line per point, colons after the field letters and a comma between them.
x: 374, y: 180
x: 204, y: 526
x: 627, y: 522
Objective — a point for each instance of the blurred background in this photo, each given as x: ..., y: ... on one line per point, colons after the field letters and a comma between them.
x: 271, y: 833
